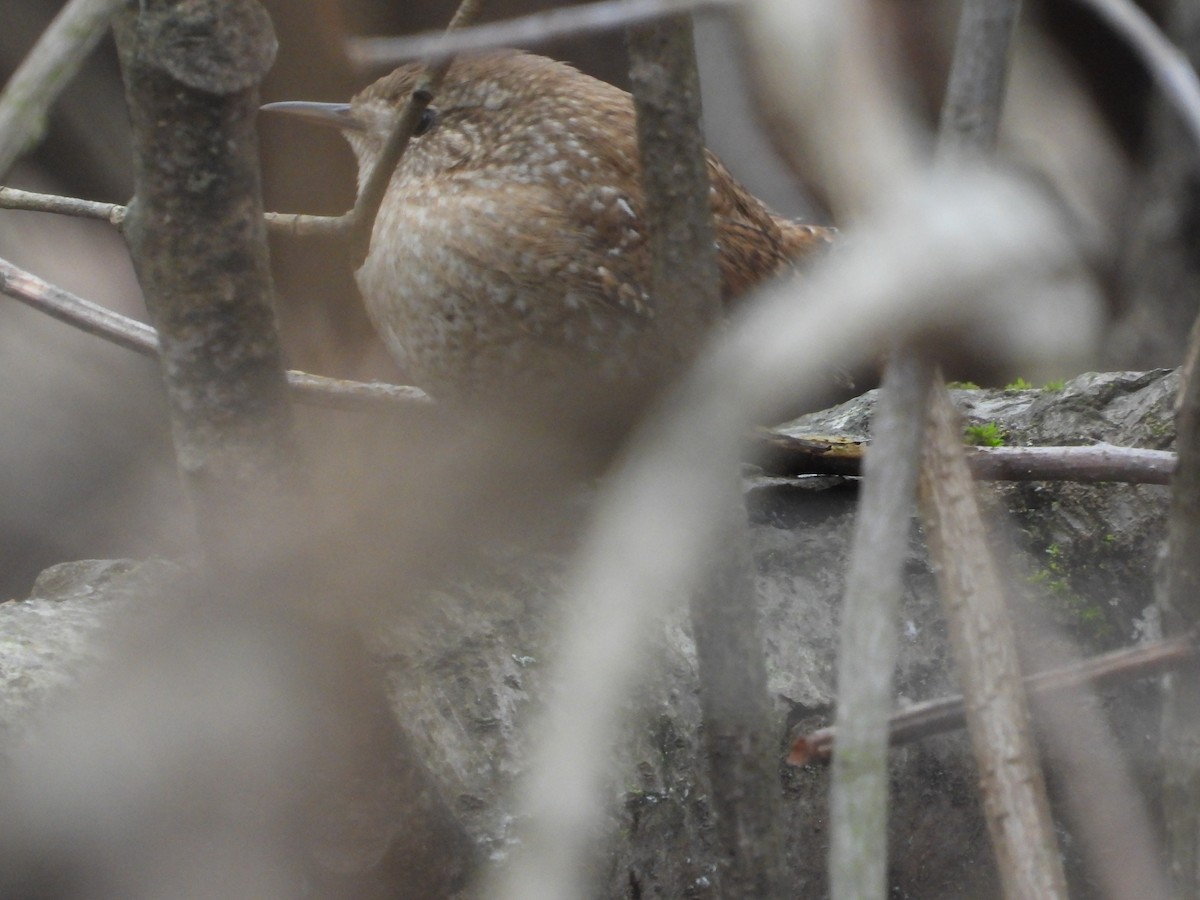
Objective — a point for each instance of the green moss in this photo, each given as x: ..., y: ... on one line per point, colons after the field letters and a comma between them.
x: 1067, y: 606
x: 986, y: 434
x: 1159, y: 428
x: 1054, y: 386
x: 962, y: 386
x: 1019, y: 385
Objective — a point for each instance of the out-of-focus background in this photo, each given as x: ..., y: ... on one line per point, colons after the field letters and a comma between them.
x: 85, y: 466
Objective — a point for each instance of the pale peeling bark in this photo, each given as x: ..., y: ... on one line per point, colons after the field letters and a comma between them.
x: 1014, y: 793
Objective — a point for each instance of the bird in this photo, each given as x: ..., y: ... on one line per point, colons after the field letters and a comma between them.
x: 509, y: 258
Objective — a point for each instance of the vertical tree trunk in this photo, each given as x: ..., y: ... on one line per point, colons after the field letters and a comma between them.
x: 740, y: 744
x: 196, y: 233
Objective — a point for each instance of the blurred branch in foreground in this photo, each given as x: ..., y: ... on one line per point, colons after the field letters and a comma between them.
x: 27, y: 97
x: 654, y: 525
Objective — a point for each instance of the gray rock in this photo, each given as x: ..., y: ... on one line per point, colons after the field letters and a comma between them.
x: 49, y: 641
x: 466, y: 675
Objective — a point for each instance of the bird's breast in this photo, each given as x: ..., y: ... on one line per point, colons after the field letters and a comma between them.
x: 475, y: 291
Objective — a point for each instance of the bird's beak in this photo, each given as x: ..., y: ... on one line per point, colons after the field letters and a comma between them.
x: 337, y: 115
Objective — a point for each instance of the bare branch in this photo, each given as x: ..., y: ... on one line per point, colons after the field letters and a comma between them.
x: 370, y: 198
x: 978, y: 77
x: 13, y: 198
x: 922, y: 720
x: 35, y: 85
x: 289, y: 224
x: 89, y: 317
x: 740, y: 746
x: 141, y: 338
x: 867, y: 655
x: 337, y: 393
x: 300, y: 225
x: 524, y: 31
x: 198, y: 243
x: 1167, y: 63
x: 1082, y: 465
x: 791, y: 455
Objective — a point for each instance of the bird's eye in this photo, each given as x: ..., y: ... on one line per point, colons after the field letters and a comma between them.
x: 428, y: 119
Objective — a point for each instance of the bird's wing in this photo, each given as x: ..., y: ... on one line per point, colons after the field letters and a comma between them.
x: 753, y: 243
x: 586, y: 250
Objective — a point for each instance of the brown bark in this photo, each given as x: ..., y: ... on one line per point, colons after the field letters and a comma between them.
x: 1014, y: 793
x: 196, y: 233
x: 740, y: 744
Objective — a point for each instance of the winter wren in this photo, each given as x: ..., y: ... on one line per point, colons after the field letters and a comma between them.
x: 510, y: 251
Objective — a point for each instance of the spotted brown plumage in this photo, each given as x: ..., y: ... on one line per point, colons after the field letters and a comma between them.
x: 510, y: 250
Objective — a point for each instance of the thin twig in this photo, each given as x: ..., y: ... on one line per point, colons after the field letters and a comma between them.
x: 358, y: 222
x: 89, y: 317
x: 30, y: 201
x: 523, y: 31
x: 794, y: 456
x: 370, y: 198
x: 338, y: 393
x: 50, y: 65
x: 290, y: 224
x: 141, y: 338
x: 1167, y: 63
x: 301, y: 225
x: 922, y: 720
